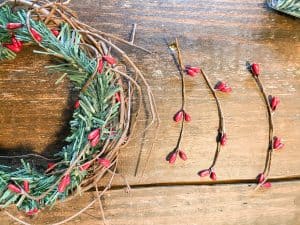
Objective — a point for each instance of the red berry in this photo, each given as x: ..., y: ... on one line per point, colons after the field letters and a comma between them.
x: 182, y: 155
x: 277, y: 144
x: 93, y: 134
x: 12, y: 26
x: 195, y: 69
x: 260, y: 178
x: 77, y: 104
x: 36, y: 35
x: 223, y: 139
x: 85, y: 166
x: 187, y: 117
x: 222, y: 86
x: 32, y: 212
x: 227, y: 90
x: 178, y: 116
x: 14, y: 188
x: 16, y: 42
x: 213, y: 175
x: 173, y: 157
x: 191, y: 73
x: 95, y: 141
x: 100, y: 66
x: 12, y: 47
x: 104, y: 162
x: 109, y: 59
x: 51, y: 165
x: 64, y: 183
x: 26, y: 186
x: 274, y: 103
x: 55, y: 32
x: 204, y: 173
x: 267, y: 185
x: 118, y: 97
x: 255, y: 69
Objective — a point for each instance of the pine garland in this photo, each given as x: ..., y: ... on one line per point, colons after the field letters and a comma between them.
x: 291, y: 7
x: 101, y: 118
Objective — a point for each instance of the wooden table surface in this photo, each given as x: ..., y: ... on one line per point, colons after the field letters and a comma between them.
x: 218, y: 36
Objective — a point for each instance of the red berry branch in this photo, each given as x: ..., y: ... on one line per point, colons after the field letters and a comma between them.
x: 274, y: 142
x: 221, y: 136
x: 181, y: 116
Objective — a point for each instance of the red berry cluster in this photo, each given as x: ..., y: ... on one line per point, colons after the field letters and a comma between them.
x: 208, y: 172
x: 94, y: 137
x: 192, y: 70
x: 223, y: 87
x: 173, y: 156
x: 180, y: 114
x: 106, y: 58
x: 16, y: 45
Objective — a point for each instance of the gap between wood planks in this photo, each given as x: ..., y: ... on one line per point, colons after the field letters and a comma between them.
x: 199, y: 183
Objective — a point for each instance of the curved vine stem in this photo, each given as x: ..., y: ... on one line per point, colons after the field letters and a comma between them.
x: 267, y: 167
x: 221, y: 128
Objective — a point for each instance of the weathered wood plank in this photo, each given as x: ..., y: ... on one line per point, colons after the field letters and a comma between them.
x: 189, y: 205
x: 219, y: 36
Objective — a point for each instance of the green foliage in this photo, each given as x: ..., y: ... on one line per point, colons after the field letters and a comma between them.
x: 291, y: 7
x: 96, y: 111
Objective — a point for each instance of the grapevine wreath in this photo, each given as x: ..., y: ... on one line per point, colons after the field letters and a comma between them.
x: 102, y: 119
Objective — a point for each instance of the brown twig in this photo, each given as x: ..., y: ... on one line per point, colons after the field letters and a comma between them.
x: 267, y: 167
x: 180, y: 65
x: 181, y: 70
x: 221, y: 128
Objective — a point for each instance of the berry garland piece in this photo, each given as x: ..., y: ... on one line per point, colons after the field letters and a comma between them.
x: 180, y: 116
x: 221, y: 136
x: 102, y: 114
x: 274, y: 143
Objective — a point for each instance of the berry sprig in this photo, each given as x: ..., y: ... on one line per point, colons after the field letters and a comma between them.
x: 221, y: 134
x: 180, y: 116
x: 275, y: 143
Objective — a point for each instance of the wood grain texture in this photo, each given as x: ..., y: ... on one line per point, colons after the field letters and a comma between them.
x: 219, y: 36
x: 188, y: 205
